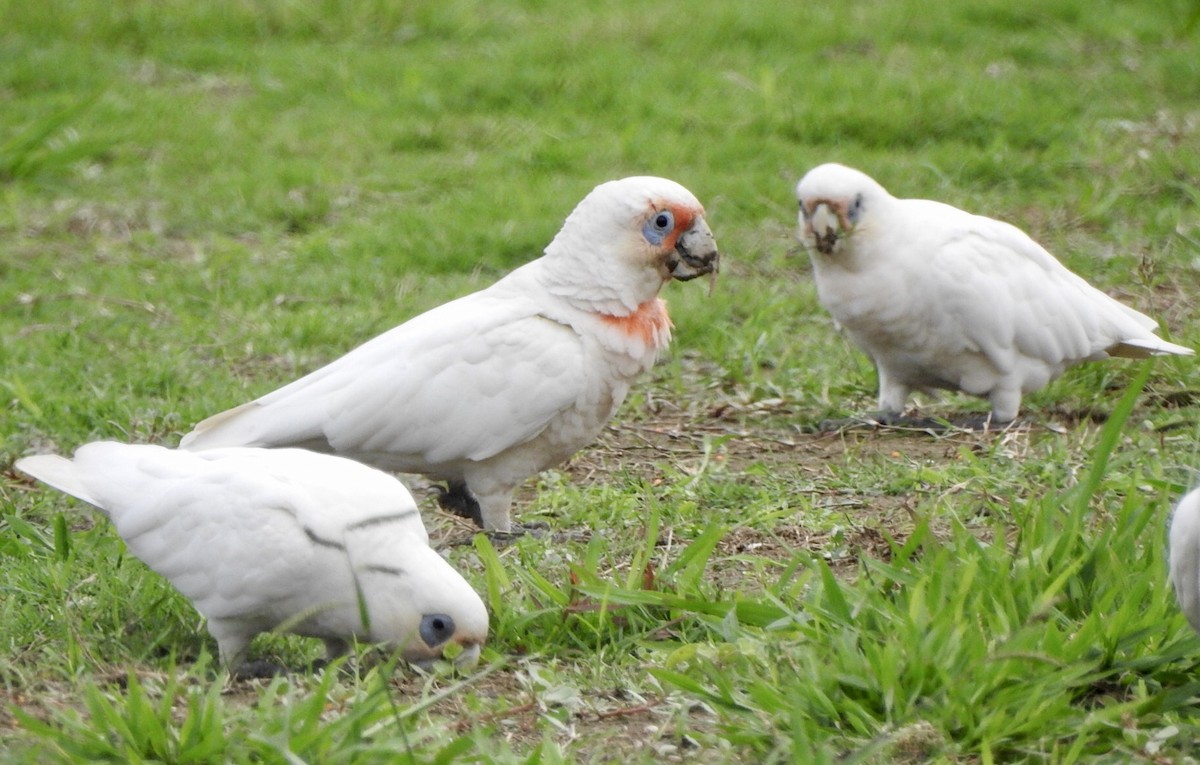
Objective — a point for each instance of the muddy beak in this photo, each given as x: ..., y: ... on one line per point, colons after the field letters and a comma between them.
x: 695, y: 253
x: 825, y: 228
x: 465, y: 660
x: 469, y: 657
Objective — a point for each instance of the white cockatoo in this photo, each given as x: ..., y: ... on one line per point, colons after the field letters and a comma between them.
x: 941, y: 298
x: 1184, y: 554
x: 489, y: 389
x: 262, y: 539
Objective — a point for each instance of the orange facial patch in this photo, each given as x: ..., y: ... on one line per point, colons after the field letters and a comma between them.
x: 683, y: 221
x: 837, y: 206
x: 647, y: 323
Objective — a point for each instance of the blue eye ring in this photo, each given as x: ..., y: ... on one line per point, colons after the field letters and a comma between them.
x: 658, y: 226
x: 856, y: 209
x: 436, y: 629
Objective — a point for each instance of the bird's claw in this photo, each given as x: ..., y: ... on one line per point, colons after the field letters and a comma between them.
x: 932, y: 425
x: 457, y: 499
x: 516, y: 531
x: 259, y: 669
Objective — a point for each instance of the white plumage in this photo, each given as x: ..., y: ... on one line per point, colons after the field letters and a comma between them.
x: 941, y: 298
x: 260, y: 539
x: 487, y: 390
x: 1184, y: 555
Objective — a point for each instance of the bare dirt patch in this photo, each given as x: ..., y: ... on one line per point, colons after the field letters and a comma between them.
x: 751, y: 450
x: 614, y: 719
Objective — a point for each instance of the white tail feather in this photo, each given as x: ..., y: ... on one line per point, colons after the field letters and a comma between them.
x: 219, y: 430
x: 1140, y: 348
x: 58, y: 472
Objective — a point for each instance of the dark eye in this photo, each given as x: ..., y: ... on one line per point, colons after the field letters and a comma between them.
x: 659, y: 226
x: 855, y: 209
x: 436, y: 629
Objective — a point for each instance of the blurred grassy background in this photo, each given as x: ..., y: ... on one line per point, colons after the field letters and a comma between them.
x: 204, y: 200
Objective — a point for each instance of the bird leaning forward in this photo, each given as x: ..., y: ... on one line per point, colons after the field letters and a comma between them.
x: 284, y: 539
x: 941, y: 298
x: 492, y: 388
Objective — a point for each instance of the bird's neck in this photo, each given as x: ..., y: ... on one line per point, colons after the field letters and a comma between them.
x: 630, y: 319
x: 598, y: 282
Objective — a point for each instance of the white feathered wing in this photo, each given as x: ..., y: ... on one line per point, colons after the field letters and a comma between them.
x: 465, y: 380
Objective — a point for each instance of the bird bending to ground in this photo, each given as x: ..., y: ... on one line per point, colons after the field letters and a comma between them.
x: 1184, y: 554
x: 262, y: 539
x: 941, y: 298
x: 489, y: 389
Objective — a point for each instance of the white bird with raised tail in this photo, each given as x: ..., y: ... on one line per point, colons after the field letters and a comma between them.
x: 262, y: 539
x: 941, y: 298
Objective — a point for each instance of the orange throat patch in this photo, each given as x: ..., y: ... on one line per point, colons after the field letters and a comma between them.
x: 649, y: 323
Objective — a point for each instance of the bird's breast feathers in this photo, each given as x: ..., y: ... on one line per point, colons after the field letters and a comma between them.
x: 646, y: 331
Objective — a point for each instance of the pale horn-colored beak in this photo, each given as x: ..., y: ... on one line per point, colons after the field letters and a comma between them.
x: 695, y: 253
x: 825, y: 227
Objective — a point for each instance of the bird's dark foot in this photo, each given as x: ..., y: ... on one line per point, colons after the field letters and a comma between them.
x: 504, y: 538
x: 874, y: 420
x: 258, y: 669
x: 344, y: 668
x: 516, y: 531
x: 984, y: 422
x: 932, y: 425
x: 456, y: 498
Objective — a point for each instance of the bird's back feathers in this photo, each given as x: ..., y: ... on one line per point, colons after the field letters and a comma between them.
x: 465, y: 380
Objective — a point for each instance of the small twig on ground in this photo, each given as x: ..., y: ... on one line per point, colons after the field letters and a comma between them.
x: 502, y: 714
x: 649, y: 706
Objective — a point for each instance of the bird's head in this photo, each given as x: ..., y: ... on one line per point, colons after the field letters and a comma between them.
x: 629, y: 237
x: 835, y: 200
x: 422, y: 606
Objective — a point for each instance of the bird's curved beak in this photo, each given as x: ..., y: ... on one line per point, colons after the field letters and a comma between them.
x: 695, y: 253
x: 467, y: 658
x: 825, y: 227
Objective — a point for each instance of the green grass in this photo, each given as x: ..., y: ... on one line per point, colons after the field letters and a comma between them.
x: 203, y: 200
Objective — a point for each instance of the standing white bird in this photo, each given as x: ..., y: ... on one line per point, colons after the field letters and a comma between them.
x: 489, y: 389
x: 941, y: 298
x: 261, y: 539
x: 1184, y: 554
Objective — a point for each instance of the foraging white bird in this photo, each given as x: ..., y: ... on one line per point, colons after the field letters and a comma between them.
x: 1184, y: 554
x: 260, y: 539
x: 494, y: 387
x: 941, y: 298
